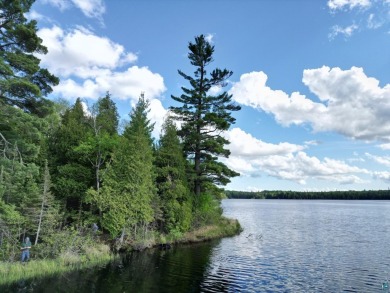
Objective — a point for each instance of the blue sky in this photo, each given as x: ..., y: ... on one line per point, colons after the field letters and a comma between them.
x: 312, y: 77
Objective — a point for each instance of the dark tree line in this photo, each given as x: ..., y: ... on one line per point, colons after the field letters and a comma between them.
x: 334, y: 195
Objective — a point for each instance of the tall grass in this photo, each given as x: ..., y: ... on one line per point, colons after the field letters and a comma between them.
x: 11, y: 272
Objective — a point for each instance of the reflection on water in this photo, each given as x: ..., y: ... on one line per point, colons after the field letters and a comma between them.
x: 286, y: 246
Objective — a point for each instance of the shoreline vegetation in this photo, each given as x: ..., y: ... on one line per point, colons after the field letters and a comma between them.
x: 313, y: 195
x: 82, y: 184
x: 101, y: 254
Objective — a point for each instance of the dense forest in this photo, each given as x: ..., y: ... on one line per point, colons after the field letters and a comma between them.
x: 280, y: 194
x: 64, y: 167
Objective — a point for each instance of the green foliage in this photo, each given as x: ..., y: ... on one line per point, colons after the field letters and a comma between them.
x: 21, y: 134
x: 22, y: 81
x: 129, y: 190
x: 71, y: 172
x: 10, y: 225
x: 66, y: 169
x: 283, y: 194
x: 204, y: 117
x: 208, y: 210
x: 107, y: 115
x: 172, y: 181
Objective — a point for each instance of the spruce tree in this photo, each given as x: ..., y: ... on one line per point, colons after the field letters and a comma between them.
x: 204, y: 117
x: 172, y: 180
x: 71, y: 173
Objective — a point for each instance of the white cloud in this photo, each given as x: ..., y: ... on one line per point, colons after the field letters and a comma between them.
x: 369, y: 14
x: 60, y: 4
x: 90, y: 73
x: 122, y: 85
x: 252, y: 91
x: 90, y: 8
x: 384, y: 176
x: 70, y: 52
x: 209, y: 38
x: 345, y: 31
x: 215, y: 90
x: 385, y: 160
x: 312, y: 142
x: 385, y: 146
x: 351, y: 103
x: 253, y: 157
x: 157, y: 115
x: 245, y: 145
x: 350, y: 4
x: 33, y: 14
x: 373, y: 22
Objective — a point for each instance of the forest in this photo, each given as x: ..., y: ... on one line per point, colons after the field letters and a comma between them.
x: 324, y: 195
x: 64, y: 167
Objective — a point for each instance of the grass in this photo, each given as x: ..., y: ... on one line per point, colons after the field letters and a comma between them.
x: 11, y: 272
x: 225, y: 228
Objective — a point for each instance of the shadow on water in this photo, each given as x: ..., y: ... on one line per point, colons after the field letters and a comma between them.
x: 179, y: 269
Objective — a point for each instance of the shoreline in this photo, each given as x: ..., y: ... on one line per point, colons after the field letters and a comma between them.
x: 11, y: 272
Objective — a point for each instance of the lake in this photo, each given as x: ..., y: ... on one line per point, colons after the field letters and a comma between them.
x: 286, y: 246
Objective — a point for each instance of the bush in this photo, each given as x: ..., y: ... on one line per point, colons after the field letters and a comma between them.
x: 207, y: 210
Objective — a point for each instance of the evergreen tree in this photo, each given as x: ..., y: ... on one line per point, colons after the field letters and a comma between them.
x: 172, y: 181
x: 96, y: 149
x: 204, y: 117
x: 107, y: 117
x: 22, y: 81
x: 49, y: 214
x: 128, y: 189
x: 72, y: 174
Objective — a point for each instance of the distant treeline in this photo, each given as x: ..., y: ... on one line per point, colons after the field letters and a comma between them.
x: 282, y: 194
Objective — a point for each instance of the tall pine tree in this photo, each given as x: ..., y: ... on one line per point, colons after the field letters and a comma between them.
x: 22, y: 82
x: 205, y: 117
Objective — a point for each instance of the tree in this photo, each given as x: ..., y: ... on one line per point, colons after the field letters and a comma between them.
x: 99, y: 144
x: 128, y: 189
x: 72, y: 174
x: 172, y: 180
x: 49, y: 212
x: 107, y: 117
x: 22, y: 82
x: 205, y: 117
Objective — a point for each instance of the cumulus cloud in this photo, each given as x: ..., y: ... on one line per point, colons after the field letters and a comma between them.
x: 90, y: 73
x: 70, y: 52
x: 350, y: 103
x: 157, y: 116
x: 349, y: 4
x: 245, y: 145
x: 253, y: 157
x: 90, y: 8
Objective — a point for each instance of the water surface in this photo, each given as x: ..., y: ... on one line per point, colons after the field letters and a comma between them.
x: 286, y: 246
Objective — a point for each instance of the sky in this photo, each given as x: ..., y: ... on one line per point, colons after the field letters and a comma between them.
x: 312, y: 78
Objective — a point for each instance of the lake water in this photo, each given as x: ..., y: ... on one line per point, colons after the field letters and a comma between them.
x: 286, y: 246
